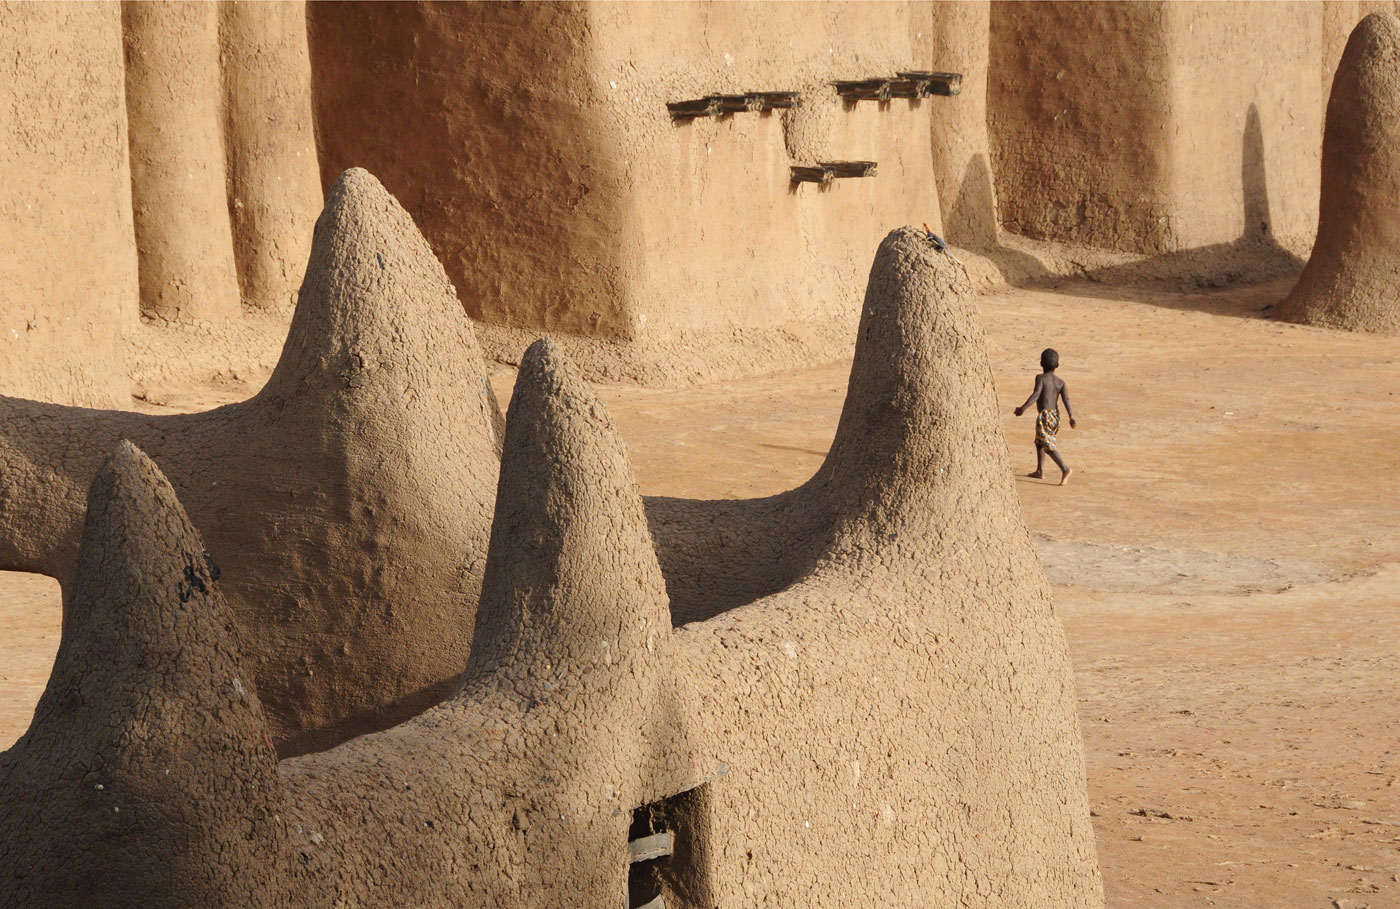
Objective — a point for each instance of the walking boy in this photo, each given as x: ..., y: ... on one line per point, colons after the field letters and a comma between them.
x: 1049, y: 389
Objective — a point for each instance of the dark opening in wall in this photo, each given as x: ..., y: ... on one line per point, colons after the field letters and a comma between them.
x: 668, y: 849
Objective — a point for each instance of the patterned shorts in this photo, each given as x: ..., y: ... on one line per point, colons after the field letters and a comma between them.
x: 1047, y: 425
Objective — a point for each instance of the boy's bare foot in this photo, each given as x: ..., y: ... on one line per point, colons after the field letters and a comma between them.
x: 1035, y: 475
x: 1064, y: 477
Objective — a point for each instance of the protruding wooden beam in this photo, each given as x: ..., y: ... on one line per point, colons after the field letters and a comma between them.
x: 864, y: 89
x: 714, y: 105
x: 802, y: 173
x: 908, y: 88
x: 776, y: 100
x: 733, y: 104
x: 908, y: 84
x: 934, y: 83
x: 845, y: 169
x: 655, y: 846
x: 689, y: 110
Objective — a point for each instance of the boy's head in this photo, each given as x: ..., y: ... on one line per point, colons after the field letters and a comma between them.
x: 1049, y: 360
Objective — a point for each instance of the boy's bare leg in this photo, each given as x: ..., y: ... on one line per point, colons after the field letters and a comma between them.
x: 1039, y: 463
x: 1064, y: 468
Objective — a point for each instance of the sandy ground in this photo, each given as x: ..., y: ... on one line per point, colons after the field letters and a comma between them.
x: 1226, y: 562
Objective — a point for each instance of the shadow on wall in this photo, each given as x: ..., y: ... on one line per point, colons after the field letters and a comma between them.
x: 1255, y: 257
x: 976, y: 206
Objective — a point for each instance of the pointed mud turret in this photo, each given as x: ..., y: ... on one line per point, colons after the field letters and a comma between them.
x: 350, y: 499
x: 147, y: 775
x: 1352, y: 279
x: 377, y: 314
x: 918, y: 433
x: 571, y: 575
x: 896, y: 596
x: 574, y: 615
x: 917, y: 452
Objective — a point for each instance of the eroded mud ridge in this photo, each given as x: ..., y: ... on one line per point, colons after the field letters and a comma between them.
x: 893, y: 700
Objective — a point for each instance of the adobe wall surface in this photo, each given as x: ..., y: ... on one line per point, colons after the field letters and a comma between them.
x: 274, y: 184
x: 574, y: 203
x: 1161, y: 127
x: 1077, y: 110
x: 1244, y: 137
x: 561, y: 197
x: 224, y: 183
x: 183, y: 240
x: 711, y: 200
x: 507, y: 173
x: 68, y: 280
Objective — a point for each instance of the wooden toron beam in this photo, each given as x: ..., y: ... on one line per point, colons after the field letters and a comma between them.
x: 732, y: 104
x: 776, y: 100
x: 717, y: 105
x: 803, y: 173
x: 908, y: 84
x: 847, y: 169
x: 655, y: 846
x: 689, y: 110
x: 863, y: 89
x: 934, y: 83
x: 908, y: 88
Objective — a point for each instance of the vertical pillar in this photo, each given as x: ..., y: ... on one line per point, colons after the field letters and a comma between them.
x: 274, y: 183
x: 961, y: 160
x: 178, y: 188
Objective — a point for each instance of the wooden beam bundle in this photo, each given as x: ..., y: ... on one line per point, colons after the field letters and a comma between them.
x: 805, y: 173
x: 823, y: 172
x: 847, y: 169
x: 934, y: 83
x: 864, y: 89
x: 908, y: 84
x: 689, y: 110
x: 718, y: 105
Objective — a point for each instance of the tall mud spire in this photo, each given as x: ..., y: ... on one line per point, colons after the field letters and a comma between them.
x: 1352, y: 279
x: 918, y: 464
x: 572, y: 582
x: 376, y: 314
x: 918, y: 435
x: 574, y: 615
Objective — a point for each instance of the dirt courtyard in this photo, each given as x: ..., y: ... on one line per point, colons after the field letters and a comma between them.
x: 1226, y: 562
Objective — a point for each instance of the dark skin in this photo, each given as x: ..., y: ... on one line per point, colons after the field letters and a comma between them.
x: 1049, y: 388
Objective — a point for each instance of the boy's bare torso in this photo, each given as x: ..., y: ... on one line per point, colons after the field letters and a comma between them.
x: 1048, y: 389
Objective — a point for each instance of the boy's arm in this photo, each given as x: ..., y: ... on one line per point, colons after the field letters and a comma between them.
x: 1064, y: 396
x: 1035, y: 392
